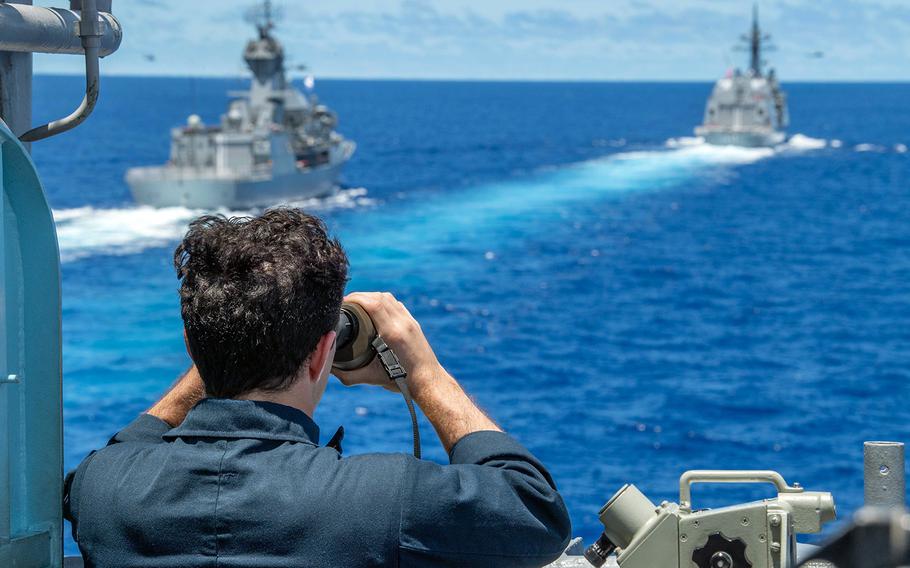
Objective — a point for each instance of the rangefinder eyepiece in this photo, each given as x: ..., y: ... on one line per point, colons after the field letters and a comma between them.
x: 354, y: 342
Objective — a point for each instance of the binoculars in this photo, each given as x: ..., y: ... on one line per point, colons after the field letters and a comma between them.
x: 355, y: 335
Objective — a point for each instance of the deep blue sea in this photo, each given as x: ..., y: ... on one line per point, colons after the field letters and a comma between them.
x: 629, y: 303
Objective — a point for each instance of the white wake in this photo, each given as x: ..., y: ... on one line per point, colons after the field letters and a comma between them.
x: 797, y: 142
x: 88, y: 231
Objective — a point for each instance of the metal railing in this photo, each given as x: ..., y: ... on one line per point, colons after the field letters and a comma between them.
x: 83, y: 29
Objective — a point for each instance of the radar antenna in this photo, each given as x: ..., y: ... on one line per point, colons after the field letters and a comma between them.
x: 757, y: 42
x: 755, y: 63
x: 263, y: 16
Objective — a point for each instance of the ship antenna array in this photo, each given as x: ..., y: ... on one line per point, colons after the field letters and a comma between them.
x: 756, y: 43
x: 267, y: 8
x: 263, y: 16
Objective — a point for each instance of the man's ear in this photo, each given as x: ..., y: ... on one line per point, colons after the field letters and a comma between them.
x: 324, y: 352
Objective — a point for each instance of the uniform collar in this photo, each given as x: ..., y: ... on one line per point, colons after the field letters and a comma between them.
x: 237, y: 419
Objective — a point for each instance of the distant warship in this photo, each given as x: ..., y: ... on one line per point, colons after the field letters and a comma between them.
x: 274, y: 145
x: 747, y: 109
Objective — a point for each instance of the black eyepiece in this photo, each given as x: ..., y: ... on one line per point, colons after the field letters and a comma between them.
x: 354, y: 344
x: 346, y: 329
x: 598, y: 552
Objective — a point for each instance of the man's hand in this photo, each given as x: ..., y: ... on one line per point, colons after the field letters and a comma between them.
x: 451, y: 412
x: 403, y: 335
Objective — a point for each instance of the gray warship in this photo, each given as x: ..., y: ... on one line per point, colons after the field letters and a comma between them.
x: 747, y: 109
x: 274, y: 145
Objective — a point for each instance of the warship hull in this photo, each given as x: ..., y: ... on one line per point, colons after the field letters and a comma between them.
x: 170, y: 186
x: 748, y: 139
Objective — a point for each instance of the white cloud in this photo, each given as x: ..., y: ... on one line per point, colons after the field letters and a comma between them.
x: 581, y: 39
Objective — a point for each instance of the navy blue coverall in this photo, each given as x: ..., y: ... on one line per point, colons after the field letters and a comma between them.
x: 245, y: 484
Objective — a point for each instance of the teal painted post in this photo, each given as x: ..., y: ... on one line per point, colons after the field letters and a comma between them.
x: 4, y: 402
x: 31, y: 398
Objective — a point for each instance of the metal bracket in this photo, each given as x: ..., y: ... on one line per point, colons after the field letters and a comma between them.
x: 389, y: 360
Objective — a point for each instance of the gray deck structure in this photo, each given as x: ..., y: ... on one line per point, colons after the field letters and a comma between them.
x: 747, y: 109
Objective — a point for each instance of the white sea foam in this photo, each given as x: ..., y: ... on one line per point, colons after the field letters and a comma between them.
x: 685, y: 141
x: 869, y: 148
x: 697, y: 152
x: 344, y: 199
x: 836, y: 143
x: 797, y: 142
x: 641, y: 170
x: 900, y: 148
x: 803, y: 142
x: 87, y: 231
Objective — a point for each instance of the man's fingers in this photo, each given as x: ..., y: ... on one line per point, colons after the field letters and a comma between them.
x: 372, y: 302
x: 368, y: 300
x: 391, y: 317
x: 403, y: 335
x: 379, y: 305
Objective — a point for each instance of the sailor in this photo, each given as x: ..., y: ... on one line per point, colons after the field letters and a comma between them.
x: 226, y: 469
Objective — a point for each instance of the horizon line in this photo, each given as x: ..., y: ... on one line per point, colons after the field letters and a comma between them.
x: 476, y: 79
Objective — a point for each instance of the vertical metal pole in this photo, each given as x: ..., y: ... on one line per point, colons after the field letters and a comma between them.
x: 5, y: 502
x: 885, y: 482
x: 16, y: 87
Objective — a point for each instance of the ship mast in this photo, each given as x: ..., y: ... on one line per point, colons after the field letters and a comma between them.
x: 268, y: 23
x: 263, y: 18
x: 755, y: 64
x: 265, y: 56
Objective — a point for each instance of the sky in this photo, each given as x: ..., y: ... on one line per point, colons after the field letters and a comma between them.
x: 675, y: 40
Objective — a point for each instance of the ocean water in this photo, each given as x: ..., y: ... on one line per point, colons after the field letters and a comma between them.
x: 628, y: 302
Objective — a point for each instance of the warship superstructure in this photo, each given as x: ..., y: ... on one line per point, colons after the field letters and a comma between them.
x: 274, y: 145
x: 747, y: 109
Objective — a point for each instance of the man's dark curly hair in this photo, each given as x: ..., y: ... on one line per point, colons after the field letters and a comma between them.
x: 256, y: 295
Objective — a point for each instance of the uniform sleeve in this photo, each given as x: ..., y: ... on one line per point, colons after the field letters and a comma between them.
x: 144, y: 429
x: 495, y: 505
